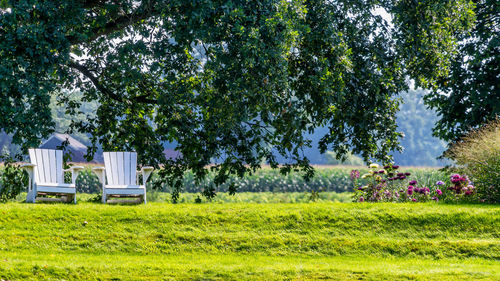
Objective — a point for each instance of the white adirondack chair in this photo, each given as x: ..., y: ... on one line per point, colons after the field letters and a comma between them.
x: 46, y: 176
x: 119, y: 177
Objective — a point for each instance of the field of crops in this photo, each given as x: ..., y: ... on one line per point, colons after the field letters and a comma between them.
x: 327, y: 178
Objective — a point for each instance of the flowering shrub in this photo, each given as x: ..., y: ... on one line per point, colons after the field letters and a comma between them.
x: 390, y: 185
x: 460, y: 189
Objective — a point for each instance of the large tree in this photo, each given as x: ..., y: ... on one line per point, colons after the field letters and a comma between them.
x: 226, y: 80
x: 470, y: 95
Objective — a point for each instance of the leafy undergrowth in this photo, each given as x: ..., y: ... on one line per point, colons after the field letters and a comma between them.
x: 249, y: 241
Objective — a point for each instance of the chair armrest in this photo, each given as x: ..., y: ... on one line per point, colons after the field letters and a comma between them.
x: 100, y: 172
x: 147, y: 168
x: 30, y: 169
x: 28, y: 166
x: 74, y: 168
x: 74, y: 172
x: 146, y: 172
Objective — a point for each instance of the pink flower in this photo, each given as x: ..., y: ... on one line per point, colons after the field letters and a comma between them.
x: 455, y: 178
x: 410, y: 191
x: 354, y: 174
x: 414, y: 199
x: 361, y: 199
x: 439, y: 192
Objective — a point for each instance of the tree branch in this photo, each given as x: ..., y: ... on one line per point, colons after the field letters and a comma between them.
x: 146, y: 10
x: 83, y: 70
x: 86, y: 72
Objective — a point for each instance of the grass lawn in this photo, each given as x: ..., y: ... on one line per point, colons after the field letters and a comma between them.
x: 246, y: 241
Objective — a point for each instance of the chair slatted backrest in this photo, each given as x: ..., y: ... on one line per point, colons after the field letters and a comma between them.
x: 121, y: 168
x: 49, y: 165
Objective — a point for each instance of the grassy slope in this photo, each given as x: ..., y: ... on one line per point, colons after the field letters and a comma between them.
x: 250, y: 241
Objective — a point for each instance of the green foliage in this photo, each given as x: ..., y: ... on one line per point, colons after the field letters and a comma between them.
x: 326, y: 178
x: 88, y: 182
x: 478, y: 155
x: 225, y: 80
x: 470, y: 94
x: 250, y: 241
x: 64, y: 120
x: 13, y: 181
x: 349, y: 159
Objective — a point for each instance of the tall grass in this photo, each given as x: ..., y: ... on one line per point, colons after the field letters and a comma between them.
x: 478, y: 155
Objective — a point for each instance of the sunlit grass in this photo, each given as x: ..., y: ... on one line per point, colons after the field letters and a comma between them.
x: 248, y: 241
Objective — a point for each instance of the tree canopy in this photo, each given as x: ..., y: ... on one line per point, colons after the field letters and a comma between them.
x: 470, y: 95
x: 227, y: 80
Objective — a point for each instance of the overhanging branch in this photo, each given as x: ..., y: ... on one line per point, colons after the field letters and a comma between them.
x: 83, y: 70
x: 95, y: 81
x: 144, y: 11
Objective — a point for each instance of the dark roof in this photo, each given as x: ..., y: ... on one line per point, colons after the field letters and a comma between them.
x: 76, y: 149
x: 172, y: 154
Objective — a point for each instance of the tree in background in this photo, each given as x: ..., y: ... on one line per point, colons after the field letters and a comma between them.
x: 470, y: 95
x: 62, y: 123
x: 415, y: 120
x: 227, y: 80
x: 349, y: 159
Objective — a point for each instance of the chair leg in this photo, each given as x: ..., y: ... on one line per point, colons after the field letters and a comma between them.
x: 30, y: 198
x: 144, y: 198
x: 74, y: 198
x: 104, y: 197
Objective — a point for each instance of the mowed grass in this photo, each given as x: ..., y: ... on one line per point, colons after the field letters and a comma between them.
x: 245, y: 241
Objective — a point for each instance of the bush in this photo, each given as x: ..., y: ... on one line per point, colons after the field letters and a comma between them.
x: 389, y: 184
x: 392, y: 185
x: 88, y: 182
x: 478, y: 155
x: 13, y: 180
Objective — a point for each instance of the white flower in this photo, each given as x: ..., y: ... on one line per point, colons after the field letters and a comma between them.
x: 365, y: 176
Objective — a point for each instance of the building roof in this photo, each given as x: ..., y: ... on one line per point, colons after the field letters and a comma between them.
x: 76, y: 149
x: 57, y: 139
x: 172, y: 154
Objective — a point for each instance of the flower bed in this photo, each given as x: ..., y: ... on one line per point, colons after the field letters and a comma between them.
x: 389, y: 184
